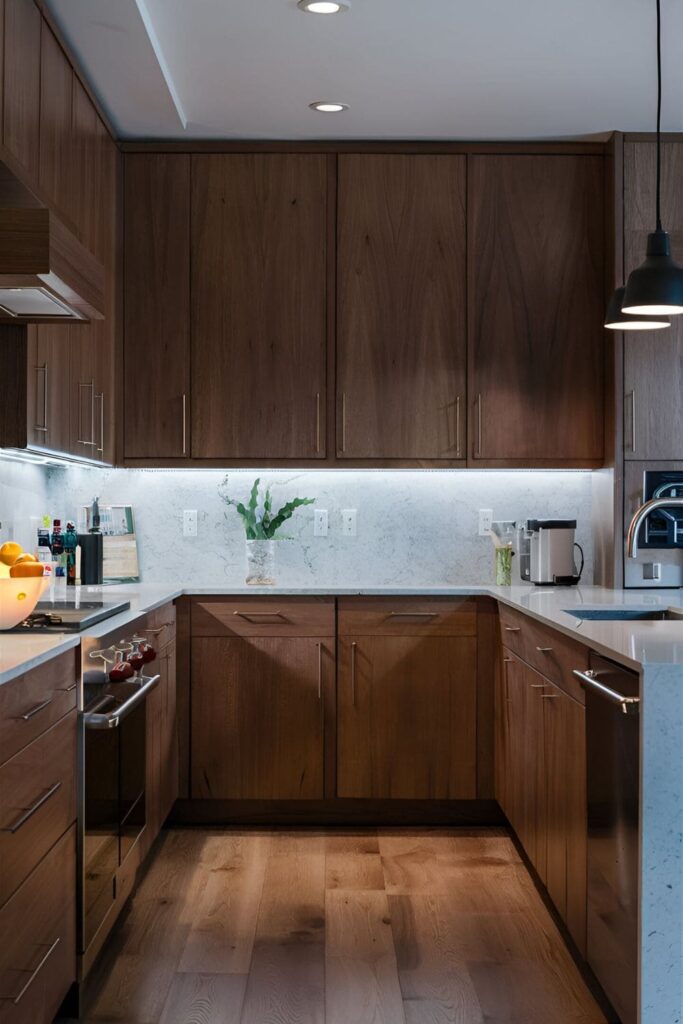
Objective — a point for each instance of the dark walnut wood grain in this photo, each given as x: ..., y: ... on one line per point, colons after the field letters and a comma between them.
x: 653, y: 363
x: 259, y: 257
x: 536, y: 298
x: 401, y: 340
x: 21, y: 97
x: 56, y: 151
x: 157, y: 306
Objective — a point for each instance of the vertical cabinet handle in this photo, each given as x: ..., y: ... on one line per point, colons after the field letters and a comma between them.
x: 343, y: 421
x: 320, y: 671
x: 317, y: 423
x: 33, y: 974
x: 42, y: 427
x: 184, y: 423
x: 477, y: 450
x: 457, y: 427
x: 100, y: 399
x: 82, y: 385
x: 632, y: 396
x: 353, y: 673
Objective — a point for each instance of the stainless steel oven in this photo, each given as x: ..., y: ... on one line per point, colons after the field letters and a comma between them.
x: 660, y: 540
x: 112, y: 745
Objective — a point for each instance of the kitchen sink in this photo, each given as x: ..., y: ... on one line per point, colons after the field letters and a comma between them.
x: 624, y: 614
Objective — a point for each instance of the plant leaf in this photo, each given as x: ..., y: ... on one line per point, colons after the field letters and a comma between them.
x: 286, y: 513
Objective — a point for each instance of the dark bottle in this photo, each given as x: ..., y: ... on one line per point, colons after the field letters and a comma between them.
x: 70, y: 542
x: 58, y: 547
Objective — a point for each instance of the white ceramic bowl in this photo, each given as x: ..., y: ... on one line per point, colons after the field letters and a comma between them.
x: 19, y: 597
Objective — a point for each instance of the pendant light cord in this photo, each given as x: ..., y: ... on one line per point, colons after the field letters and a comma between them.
x: 659, y: 112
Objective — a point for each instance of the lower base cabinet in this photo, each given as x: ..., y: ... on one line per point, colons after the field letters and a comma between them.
x: 541, y: 783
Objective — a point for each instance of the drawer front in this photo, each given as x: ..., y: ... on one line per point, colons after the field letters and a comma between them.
x: 264, y: 616
x: 38, y: 948
x: 381, y: 616
x: 160, y: 626
x: 31, y: 703
x: 37, y: 802
x: 550, y: 652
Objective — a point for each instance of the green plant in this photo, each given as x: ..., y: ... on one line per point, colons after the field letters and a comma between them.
x: 259, y: 521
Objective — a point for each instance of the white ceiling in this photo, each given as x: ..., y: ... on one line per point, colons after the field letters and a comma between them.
x: 422, y: 69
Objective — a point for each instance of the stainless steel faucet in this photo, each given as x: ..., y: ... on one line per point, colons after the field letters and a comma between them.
x: 641, y: 515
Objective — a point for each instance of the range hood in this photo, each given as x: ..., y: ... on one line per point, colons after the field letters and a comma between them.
x: 46, y: 273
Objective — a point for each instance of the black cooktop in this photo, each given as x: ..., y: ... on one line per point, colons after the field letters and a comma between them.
x: 69, y: 616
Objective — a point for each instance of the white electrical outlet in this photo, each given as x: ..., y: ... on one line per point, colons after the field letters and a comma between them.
x: 485, y: 521
x: 320, y: 522
x: 349, y: 522
x: 190, y: 522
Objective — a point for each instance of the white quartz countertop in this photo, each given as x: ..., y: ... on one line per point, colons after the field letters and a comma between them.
x: 633, y: 643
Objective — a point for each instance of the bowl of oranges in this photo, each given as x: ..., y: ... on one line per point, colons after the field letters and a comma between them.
x: 22, y: 584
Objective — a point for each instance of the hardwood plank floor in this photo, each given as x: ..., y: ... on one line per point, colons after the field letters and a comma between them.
x: 389, y: 926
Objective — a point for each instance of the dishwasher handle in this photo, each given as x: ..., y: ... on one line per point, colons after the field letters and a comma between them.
x: 629, y: 705
x: 112, y: 719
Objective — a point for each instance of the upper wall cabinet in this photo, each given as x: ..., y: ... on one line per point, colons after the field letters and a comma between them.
x: 56, y: 153
x: 401, y: 313
x: 536, y: 303
x: 21, y: 95
x: 259, y: 323
x: 653, y: 362
x: 157, y: 306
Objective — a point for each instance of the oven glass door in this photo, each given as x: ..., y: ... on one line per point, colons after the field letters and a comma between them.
x: 132, y: 764
x: 100, y: 827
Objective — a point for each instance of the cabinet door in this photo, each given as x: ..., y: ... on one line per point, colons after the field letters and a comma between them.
x: 56, y: 150
x: 91, y: 390
x: 257, y: 717
x: 154, y: 712
x: 21, y: 100
x: 407, y: 717
x: 526, y: 786
x: 536, y: 297
x: 259, y: 282
x: 169, y: 735
x: 48, y: 383
x: 87, y: 167
x: 157, y: 305
x: 401, y: 342
x: 653, y: 362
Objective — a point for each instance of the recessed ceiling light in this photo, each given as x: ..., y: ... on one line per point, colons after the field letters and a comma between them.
x: 323, y: 6
x: 326, y: 107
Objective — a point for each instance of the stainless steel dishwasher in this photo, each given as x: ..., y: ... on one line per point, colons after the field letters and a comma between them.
x: 612, y: 751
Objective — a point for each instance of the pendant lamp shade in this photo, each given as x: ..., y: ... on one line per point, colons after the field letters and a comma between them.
x: 617, y: 320
x: 655, y: 288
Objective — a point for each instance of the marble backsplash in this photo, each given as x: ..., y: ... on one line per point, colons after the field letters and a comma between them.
x: 413, y: 528
x: 24, y: 500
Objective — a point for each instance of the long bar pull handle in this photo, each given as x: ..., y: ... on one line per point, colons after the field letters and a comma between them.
x: 632, y: 396
x: 413, y: 615
x: 37, y: 426
x: 35, y: 710
x: 550, y: 696
x: 30, y: 811
x: 184, y: 423
x: 33, y: 975
x: 354, y: 645
x: 457, y: 427
x: 112, y: 719
x: 544, y: 650
x: 317, y: 423
x: 259, y: 615
x: 477, y: 450
x: 512, y: 629
x: 320, y: 671
x: 100, y: 398
x: 629, y: 705
x: 343, y: 421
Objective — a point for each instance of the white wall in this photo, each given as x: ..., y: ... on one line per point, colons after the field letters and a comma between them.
x: 24, y: 500
x: 414, y: 527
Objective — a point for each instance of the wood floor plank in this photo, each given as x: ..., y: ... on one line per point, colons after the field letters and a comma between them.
x: 221, y: 935
x: 352, y: 861
x: 286, y: 982
x: 205, y: 999
x: 362, y: 985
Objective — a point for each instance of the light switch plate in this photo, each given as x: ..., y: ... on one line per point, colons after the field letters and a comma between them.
x: 190, y: 522
x: 349, y: 516
x: 320, y: 522
x: 485, y: 521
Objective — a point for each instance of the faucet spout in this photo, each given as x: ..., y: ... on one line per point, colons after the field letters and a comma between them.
x: 641, y: 515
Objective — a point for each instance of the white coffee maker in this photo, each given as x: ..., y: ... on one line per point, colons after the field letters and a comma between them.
x: 546, y: 552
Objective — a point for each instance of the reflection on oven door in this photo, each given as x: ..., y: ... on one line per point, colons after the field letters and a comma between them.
x: 133, y: 763
x: 101, y: 828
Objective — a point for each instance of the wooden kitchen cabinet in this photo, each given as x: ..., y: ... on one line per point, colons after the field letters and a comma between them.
x: 157, y: 306
x: 536, y: 305
x: 259, y: 305
x: 48, y: 386
x: 57, y: 163
x: 258, y: 716
x: 401, y: 301
x: 161, y: 728
x: 653, y: 361
x: 21, y: 85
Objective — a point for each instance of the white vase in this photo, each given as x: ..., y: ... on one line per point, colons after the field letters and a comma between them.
x: 260, y: 563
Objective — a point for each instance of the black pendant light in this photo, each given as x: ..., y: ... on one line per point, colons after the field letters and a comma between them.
x: 655, y: 288
x: 617, y: 320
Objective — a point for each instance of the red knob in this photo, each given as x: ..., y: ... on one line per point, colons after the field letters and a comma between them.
x: 120, y: 671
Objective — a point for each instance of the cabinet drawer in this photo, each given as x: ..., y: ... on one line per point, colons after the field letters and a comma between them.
x: 37, y: 802
x: 264, y: 616
x: 38, y: 949
x: 159, y: 626
x: 550, y: 652
x: 31, y: 703
x: 381, y: 616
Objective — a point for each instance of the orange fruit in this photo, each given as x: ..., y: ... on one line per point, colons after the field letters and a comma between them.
x: 25, y: 557
x: 25, y: 569
x: 10, y: 551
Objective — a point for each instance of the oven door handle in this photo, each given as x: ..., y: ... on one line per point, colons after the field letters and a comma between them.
x: 112, y: 719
